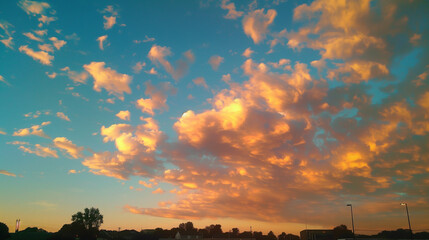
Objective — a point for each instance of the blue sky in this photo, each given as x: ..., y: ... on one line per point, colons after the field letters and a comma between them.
x: 264, y: 113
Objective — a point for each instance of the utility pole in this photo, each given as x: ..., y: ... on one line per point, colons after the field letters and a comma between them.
x: 353, y: 224
x: 408, y: 216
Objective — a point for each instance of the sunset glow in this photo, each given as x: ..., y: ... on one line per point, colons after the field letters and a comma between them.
x: 270, y: 114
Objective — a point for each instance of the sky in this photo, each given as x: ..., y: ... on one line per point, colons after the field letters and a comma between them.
x: 270, y: 114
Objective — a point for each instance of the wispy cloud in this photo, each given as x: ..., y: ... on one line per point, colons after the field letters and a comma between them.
x: 7, y: 173
x: 41, y: 56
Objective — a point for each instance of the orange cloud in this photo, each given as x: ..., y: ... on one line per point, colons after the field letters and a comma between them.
x: 101, y: 40
x: 158, y: 54
x: 256, y: 23
x: 40, y: 151
x: 41, y: 56
x: 33, y: 130
x: 158, y: 98
x: 124, y: 115
x: 63, y: 116
x: 232, y: 12
x: 115, y: 83
x: 68, y: 147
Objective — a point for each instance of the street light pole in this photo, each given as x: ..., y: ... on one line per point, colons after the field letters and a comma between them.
x: 353, y: 224
x: 408, y: 216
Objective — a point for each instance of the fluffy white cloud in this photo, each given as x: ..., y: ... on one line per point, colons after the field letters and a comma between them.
x: 115, y: 83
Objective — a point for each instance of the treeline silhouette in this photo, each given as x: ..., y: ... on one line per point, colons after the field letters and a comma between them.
x: 85, y: 226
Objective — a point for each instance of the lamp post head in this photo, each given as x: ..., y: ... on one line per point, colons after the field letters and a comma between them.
x: 403, y: 204
x: 349, y: 205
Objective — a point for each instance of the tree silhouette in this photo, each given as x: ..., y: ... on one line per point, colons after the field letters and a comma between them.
x: 4, y: 231
x: 342, y: 232
x: 90, y: 218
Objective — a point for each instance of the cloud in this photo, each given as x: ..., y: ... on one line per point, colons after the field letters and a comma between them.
x: 158, y: 191
x: 138, y: 67
x: 124, y: 115
x: 33, y: 7
x: 68, y: 147
x: 363, y: 46
x: 46, y: 47
x: 148, y: 39
x: 33, y: 130
x: 317, y: 143
x: 7, y: 173
x: 157, y: 54
x: 41, y: 56
x: 256, y: 23
x: 75, y: 76
x: 101, y: 40
x: 200, y: 82
x: 51, y: 75
x: 8, y: 42
x: 283, y: 64
x: 109, y: 22
x: 63, y: 116
x: 32, y: 37
x: 58, y: 44
x: 226, y: 78
x: 247, y: 53
x: 4, y: 80
x: 232, y: 13
x: 215, y: 61
x: 46, y: 20
x: 152, y: 71
x: 115, y: 83
x: 37, y: 114
x: 158, y: 97
x: 135, y: 151
x: 40, y: 151
x: 5, y: 25
x: 148, y: 185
